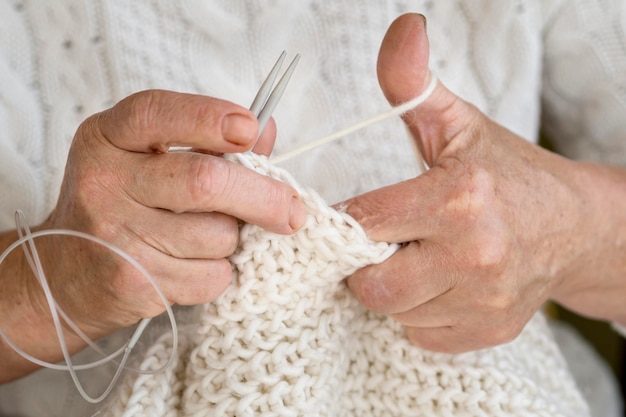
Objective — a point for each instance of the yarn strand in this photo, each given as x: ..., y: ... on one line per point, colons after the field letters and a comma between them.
x: 394, y: 111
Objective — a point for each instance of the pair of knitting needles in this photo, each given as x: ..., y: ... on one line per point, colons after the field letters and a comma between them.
x: 268, y: 97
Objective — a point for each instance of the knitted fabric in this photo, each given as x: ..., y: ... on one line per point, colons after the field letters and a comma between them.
x: 287, y: 338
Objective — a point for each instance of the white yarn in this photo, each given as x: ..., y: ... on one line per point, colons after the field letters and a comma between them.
x: 396, y: 111
x: 155, y: 395
x: 287, y: 338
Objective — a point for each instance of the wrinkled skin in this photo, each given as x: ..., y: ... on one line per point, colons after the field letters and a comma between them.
x: 174, y: 212
x: 494, y: 229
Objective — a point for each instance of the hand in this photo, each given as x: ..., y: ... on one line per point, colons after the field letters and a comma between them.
x: 495, y: 228
x: 175, y: 212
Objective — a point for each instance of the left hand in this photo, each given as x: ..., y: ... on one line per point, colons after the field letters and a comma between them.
x: 492, y: 230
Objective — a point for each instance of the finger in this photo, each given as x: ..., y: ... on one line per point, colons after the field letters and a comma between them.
x: 459, y: 339
x: 434, y: 313
x: 187, y: 235
x: 263, y: 146
x: 155, y: 120
x: 402, y: 282
x: 432, y: 204
x: 403, y: 74
x: 402, y: 65
x: 194, y: 281
x: 443, y: 339
x: 183, y: 281
x: 195, y: 182
x: 452, y: 324
x: 478, y: 302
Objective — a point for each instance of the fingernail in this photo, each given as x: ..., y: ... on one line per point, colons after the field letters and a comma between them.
x: 425, y: 22
x: 297, y: 215
x: 239, y: 129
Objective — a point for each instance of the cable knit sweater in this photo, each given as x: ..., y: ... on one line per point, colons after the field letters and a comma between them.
x: 552, y: 64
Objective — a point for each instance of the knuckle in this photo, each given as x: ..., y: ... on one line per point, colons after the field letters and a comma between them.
x: 497, y: 295
x: 140, y: 113
x: 501, y: 301
x: 365, y: 210
x: 90, y: 131
x: 90, y: 127
x: 206, y: 181
x: 489, y: 254
x: 471, y: 198
x: 142, y: 108
x: 106, y: 227
x: 492, y: 255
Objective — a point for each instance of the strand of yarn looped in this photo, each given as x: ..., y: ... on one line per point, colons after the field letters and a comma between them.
x: 287, y: 338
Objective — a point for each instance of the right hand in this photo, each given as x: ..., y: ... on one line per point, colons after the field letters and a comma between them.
x: 495, y: 228
x: 175, y: 212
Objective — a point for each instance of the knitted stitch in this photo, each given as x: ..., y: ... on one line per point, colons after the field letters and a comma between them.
x: 287, y: 338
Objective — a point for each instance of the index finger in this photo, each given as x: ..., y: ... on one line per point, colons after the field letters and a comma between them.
x: 413, y: 276
x: 155, y: 120
x: 194, y: 182
x: 401, y: 212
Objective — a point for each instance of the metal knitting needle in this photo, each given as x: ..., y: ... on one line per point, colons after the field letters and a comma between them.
x: 264, y: 91
x: 267, y: 98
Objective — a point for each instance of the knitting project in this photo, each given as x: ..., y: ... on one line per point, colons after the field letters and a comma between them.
x: 287, y: 338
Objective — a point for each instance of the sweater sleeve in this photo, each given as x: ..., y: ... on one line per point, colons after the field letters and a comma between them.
x: 584, y: 88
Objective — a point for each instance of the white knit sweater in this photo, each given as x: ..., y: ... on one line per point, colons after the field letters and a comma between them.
x: 522, y: 62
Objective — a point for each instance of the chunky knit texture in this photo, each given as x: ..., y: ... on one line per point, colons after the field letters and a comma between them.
x: 556, y: 64
x: 287, y: 338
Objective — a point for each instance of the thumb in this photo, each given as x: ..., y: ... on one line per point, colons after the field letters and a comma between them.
x: 403, y: 74
x: 410, y: 209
